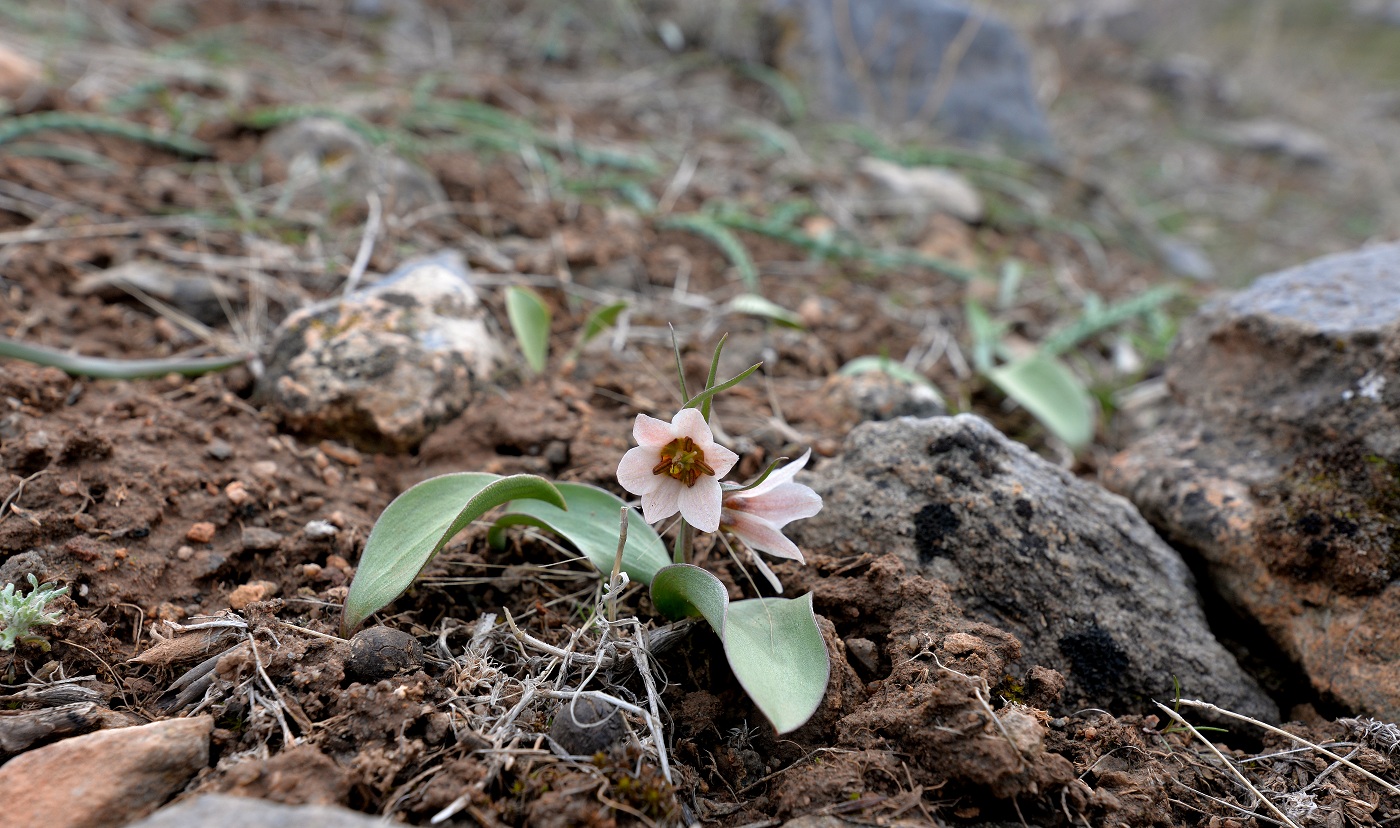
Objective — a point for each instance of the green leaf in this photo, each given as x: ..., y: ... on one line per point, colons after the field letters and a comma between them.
x: 1045, y: 387
x: 590, y: 524
x: 529, y: 318
x: 754, y: 305
x: 418, y: 523
x: 773, y: 645
x: 885, y: 365
x: 601, y: 319
x: 707, y: 227
x: 986, y: 335
x: 709, y: 393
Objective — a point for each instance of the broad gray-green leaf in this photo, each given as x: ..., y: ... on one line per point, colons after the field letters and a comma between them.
x: 529, y: 318
x: 416, y: 526
x: 773, y: 645
x: 777, y: 652
x: 1045, y: 387
x: 590, y: 524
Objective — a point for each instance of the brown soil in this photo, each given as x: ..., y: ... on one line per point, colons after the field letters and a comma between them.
x: 169, y: 500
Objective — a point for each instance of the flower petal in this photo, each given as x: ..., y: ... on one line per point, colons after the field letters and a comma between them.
x: 767, y: 573
x: 634, y: 472
x: 788, y: 502
x: 720, y: 459
x: 759, y: 534
x: 780, y: 475
x: 700, y: 504
x: 649, y: 431
x: 661, y: 502
x: 689, y: 422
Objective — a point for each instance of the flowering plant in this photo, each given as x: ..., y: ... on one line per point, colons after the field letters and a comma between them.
x: 677, y: 468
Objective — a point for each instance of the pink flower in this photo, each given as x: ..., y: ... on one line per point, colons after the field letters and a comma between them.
x: 676, y: 467
x: 757, y: 516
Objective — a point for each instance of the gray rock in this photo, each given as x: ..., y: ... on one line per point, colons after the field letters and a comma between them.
x: 105, y: 779
x: 380, y: 652
x: 885, y: 59
x: 878, y: 395
x: 1278, y: 461
x: 384, y: 367
x: 1280, y: 138
x: 1070, y: 569
x: 587, y: 726
x: 222, y: 811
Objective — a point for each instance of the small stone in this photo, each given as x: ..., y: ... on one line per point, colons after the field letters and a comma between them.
x: 237, y: 493
x: 863, y: 654
x: 332, y: 477
x: 264, y: 470
x: 338, y: 562
x: 184, y: 553
x: 319, y: 529
x: 107, y: 778
x: 260, y: 539
x: 17, y: 73
x: 380, y: 652
x: 343, y: 454
x: 250, y: 592
x: 586, y: 726
x: 201, y: 532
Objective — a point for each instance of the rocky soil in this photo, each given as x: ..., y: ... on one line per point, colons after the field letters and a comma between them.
x: 336, y: 195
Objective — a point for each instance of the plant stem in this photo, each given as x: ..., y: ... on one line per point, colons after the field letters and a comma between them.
x: 123, y: 369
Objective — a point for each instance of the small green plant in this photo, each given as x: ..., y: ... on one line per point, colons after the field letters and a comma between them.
x: 20, y: 614
x: 773, y: 645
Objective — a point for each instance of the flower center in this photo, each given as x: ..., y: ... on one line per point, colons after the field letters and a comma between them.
x: 683, y: 460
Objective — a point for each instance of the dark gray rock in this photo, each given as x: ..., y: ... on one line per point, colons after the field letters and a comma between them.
x: 380, y: 652
x: 1278, y: 465
x: 222, y: 811
x: 586, y: 726
x: 1070, y: 569
x: 886, y: 59
x: 384, y: 367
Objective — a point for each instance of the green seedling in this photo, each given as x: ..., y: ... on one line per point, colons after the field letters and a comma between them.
x: 20, y: 614
x: 773, y: 645
x: 529, y: 319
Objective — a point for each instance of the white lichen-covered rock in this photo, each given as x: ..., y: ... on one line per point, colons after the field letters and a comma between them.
x: 387, y: 365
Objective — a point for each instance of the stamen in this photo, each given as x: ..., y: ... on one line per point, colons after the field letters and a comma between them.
x: 682, y: 460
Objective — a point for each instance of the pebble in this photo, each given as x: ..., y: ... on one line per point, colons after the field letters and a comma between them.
x: 380, y: 652
x: 259, y: 539
x: 219, y: 450
x: 587, y: 726
x: 236, y: 493
x: 107, y: 778
x: 201, y: 532
x: 184, y: 553
x: 319, y: 529
x: 251, y: 592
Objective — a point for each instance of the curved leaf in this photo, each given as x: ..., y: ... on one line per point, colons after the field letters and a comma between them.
x: 418, y: 523
x: 529, y: 318
x: 773, y: 645
x: 778, y: 654
x: 590, y: 523
x: 1046, y: 388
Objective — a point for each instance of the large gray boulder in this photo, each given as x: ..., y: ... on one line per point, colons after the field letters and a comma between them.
x: 1070, y: 569
x: 1279, y: 464
x: 930, y: 62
